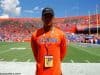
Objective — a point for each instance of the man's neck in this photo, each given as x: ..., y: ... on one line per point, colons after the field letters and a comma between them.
x: 47, y: 28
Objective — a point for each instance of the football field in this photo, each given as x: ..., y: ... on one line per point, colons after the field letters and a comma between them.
x: 76, y: 52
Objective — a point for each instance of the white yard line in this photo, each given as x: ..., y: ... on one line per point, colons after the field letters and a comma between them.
x: 28, y: 60
x: 14, y: 60
x: 11, y: 49
x: 72, y: 61
x: 18, y: 48
x: 87, y: 61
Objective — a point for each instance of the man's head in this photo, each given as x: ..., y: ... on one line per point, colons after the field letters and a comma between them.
x: 47, y: 16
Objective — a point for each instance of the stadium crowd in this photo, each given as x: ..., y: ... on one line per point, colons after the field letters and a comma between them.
x: 20, y: 30
x: 12, y: 32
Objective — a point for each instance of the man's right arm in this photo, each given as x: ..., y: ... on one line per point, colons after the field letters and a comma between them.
x: 34, y: 48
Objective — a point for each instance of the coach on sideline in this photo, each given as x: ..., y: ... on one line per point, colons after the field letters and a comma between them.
x: 48, y: 46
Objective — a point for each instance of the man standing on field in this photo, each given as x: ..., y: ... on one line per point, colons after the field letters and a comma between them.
x: 48, y: 46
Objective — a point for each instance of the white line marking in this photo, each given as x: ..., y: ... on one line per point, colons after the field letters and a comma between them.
x: 87, y: 61
x: 28, y: 60
x: 11, y: 49
x: 20, y: 48
x: 72, y: 61
x: 14, y: 60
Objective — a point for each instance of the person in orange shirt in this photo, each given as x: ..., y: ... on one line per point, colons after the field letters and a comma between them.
x: 48, y: 46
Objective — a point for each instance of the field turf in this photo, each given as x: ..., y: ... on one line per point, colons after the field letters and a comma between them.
x: 76, y: 52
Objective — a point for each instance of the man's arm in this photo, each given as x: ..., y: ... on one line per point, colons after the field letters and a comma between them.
x: 63, y: 47
x: 34, y: 48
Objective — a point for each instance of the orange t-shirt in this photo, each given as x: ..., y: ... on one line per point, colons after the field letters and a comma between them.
x: 52, y: 43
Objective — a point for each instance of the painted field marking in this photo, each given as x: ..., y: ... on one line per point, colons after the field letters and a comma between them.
x: 14, y: 60
x: 87, y: 61
x: 72, y: 61
x: 28, y: 60
x: 19, y: 48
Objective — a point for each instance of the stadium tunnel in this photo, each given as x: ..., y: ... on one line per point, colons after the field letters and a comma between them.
x: 86, y: 30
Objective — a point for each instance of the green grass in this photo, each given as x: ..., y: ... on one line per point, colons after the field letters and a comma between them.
x: 21, y: 55
x: 75, y: 53
x: 82, y: 54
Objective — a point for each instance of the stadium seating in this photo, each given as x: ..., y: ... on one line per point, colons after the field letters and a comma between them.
x: 20, y: 29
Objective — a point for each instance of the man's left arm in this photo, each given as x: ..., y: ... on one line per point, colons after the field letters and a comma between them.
x: 63, y: 47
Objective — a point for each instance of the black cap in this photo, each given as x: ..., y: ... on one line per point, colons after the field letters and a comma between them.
x: 47, y: 10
